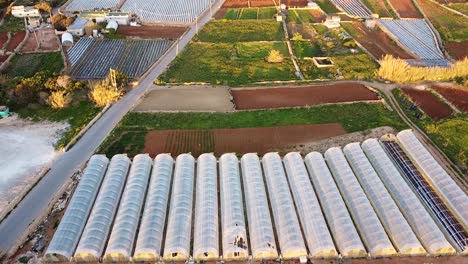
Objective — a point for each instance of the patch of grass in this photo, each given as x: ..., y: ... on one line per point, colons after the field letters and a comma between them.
x: 12, y: 24
x: 226, y: 63
x: 249, y: 13
x: 232, y: 14
x: 353, y: 117
x: 305, y: 49
x: 460, y: 7
x: 293, y: 17
x: 452, y: 27
x: 320, y: 29
x: 327, y: 6
x: 356, y: 66
x: 26, y: 65
x: 304, y: 15
x: 376, y: 7
x: 448, y: 134
x: 77, y: 115
x: 130, y: 142
x: 266, y: 13
x: 311, y: 72
x: 241, y: 30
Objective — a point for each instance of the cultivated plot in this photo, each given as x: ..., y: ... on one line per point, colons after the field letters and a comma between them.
x: 429, y: 103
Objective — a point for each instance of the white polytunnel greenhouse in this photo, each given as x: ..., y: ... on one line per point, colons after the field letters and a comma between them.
x: 206, y: 234
x: 454, y: 197
x: 122, y: 237
x: 68, y: 233
x: 398, y: 229
x: 262, y: 239
x: 179, y: 223
x: 234, y: 232
x: 288, y: 230
x: 150, y: 235
x: 419, y: 219
x: 316, y: 234
x: 368, y: 224
x: 341, y: 225
x: 94, y: 237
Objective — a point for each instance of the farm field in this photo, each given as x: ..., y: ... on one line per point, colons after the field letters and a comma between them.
x: 451, y: 27
x: 460, y: 7
x: 278, y: 97
x: 190, y: 98
x: 240, y: 140
x: 241, y: 31
x: 15, y: 40
x: 378, y: 7
x: 151, y: 32
x: 47, y: 41
x: 301, y: 16
x: 327, y: 6
x: 249, y: 13
x: 235, y: 3
x: 376, y: 41
x: 26, y: 65
x: 129, y: 135
x: 132, y: 57
x: 429, y: 103
x: 405, y: 8
x: 458, y: 50
x: 456, y: 95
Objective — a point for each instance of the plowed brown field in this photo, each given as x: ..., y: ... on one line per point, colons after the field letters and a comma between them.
x: 3, y: 39
x: 264, y: 98
x: 457, y: 50
x: 242, y: 140
x: 15, y: 40
x: 405, y: 8
x: 429, y: 103
x: 456, y: 95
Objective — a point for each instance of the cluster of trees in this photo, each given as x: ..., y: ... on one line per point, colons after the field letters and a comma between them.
x: 61, y: 22
x: 108, y: 90
x: 398, y: 70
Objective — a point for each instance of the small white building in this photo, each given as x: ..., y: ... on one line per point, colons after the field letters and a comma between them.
x: 67, y: 39
x: 332, y: 22
x: 77, y: 28
x: 112, y: 24
x: 120, y: 17
x: 25, y: 11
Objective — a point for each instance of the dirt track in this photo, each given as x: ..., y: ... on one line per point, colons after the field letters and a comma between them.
x: 456, y: 95
x: 405, y: 8
x: 152, y: 32
x: 262, y: 98
x: 429, y: 103
x: 242, y: 140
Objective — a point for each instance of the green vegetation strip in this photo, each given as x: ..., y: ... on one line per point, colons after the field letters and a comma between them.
x: 12, y: 24
x: 26, y: 65
x: 241, y: 30
x: 128, y: 137
x: 448, y: 134
x: 327, y: 6
x: 376, y: 7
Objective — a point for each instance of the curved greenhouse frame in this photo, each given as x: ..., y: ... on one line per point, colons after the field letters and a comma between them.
x: 234, y: 232
x: 419, y: 219
x: 262, y: 239
x: 287, y: 225
x: 68, y: 233
x: 150, y: 235
x: 122, y: 237
x: 179, y: 223
x: 341, y: 225
x: 206, y: 234
x: 366, y: 220
x: 97, y: 228
x: 392, y: 219
x: 316, y: 233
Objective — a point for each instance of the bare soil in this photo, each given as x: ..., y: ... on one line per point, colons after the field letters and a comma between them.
x: 262, y: 3
x: 296, y: 96
x: 193, y: 98
x: 3, y: 58
x: 429, y: 103
x: 458, y: 50
x: 456, y: 95
x: 236, y: 3
x: 47, y: 40
x: 220, y: 14
x: 152, y: 32
x: 318, y: 14
x: 3, y: 39
x: 242, y: 140
x: 15, y: 40
x: 405, y: 8
x: 378, y: 43
x: 30, y: 45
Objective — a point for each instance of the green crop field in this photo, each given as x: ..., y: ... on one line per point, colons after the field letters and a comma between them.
x: 250, y: 13
x: 26, y: 65
x: 460, y: 7
x: 128, y: 137
x: 241, y: 30
x: 327, y: 6
x: 377, y: 7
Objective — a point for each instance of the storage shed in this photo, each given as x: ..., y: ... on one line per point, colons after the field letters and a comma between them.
x: 77, y: 28
x: 67, y: 39
x: 112, y: 25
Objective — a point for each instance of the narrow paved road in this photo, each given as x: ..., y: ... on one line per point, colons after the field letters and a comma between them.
x: 36, y: 202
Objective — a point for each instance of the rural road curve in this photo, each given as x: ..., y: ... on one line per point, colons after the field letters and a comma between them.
x: 16, y: 225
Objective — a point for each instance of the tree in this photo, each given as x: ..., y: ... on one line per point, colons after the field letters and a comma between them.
x: 274, y: 57
x: 297, y: 37
x: 102, y: 94
x: 61, y: 22
x: 59, y: 99
x: 43, y: 6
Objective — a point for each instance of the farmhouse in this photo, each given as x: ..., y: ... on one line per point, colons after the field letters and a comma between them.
x: 77, y: 28
x: 25, y: 11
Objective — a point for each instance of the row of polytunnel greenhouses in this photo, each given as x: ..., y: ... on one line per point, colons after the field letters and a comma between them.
x: 350, y: 202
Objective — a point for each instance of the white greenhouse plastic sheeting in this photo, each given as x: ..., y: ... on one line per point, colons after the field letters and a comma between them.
x: 68, y: 233
x: 149, y: 242
x: 206, y: 234
x: 341, y: 225
x: 234, y: 232
x: 179, y: 225
x: 368, y: 224
x: 97, y: 228
x: 262, y: 239
x: 123, y: 233
x: 287, y: 225
x: 423, y: 225
x: 316, y: 234
x: 392, y: 219
x: 454, y: 197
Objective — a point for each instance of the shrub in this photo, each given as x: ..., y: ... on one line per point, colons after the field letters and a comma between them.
x: 102, y: 95
x: 59, y: 99
x: 274, y: 57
